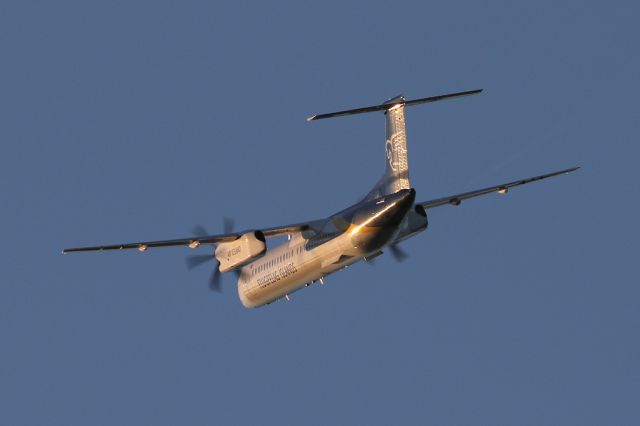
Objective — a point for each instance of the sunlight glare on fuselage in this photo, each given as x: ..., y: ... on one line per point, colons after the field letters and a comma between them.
x: 357, y: 229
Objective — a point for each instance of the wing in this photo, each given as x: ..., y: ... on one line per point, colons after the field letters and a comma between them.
x: 194, y: 242
x: 457, y: 199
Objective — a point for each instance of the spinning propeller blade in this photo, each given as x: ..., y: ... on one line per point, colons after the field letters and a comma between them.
x: 198, y: 259
x: 228, y: 225
x: 398, y: 254
x: 199, y: 231
x: 215, y: 280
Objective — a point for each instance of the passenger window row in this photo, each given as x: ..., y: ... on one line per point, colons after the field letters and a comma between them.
x: 285, y: 256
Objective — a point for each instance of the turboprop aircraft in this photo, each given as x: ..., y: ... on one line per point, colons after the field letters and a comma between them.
x: 387, y: 215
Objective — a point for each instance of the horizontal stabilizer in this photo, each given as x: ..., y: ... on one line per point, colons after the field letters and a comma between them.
x: 396, y: 101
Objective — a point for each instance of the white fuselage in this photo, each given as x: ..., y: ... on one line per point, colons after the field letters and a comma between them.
x: 290, y: 266
x: 305, y: 259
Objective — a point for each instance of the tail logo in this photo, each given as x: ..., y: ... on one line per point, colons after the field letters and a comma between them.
x: 390, y: 155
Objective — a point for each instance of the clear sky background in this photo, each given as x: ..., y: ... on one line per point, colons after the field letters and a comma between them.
x: 129, y: 120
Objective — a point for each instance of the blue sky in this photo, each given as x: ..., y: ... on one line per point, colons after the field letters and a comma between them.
x: 127, y: 121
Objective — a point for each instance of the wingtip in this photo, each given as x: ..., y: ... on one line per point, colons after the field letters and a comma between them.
x: 473, y: 92
x: 313, y: 117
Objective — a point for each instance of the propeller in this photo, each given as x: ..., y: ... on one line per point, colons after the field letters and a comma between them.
x: 199, y: 231
x: 398, y: 254
x: 193, y: 261
x: 197, y: 259
x: 228, y: 224
x: 215, y: 282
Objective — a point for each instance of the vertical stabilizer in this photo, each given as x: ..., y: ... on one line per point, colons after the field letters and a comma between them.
x: 396, y: 174
x: 397, y: 168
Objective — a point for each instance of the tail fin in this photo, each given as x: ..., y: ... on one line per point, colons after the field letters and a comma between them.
x: 396, y: 175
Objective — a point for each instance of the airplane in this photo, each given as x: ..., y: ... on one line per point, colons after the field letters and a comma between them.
x: 386, y: 216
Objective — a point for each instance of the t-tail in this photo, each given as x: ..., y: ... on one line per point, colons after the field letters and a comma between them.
x: 396, y: 174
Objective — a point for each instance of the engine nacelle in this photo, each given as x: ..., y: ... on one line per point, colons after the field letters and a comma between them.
x: 238, y: 253
x: 415, y: 222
